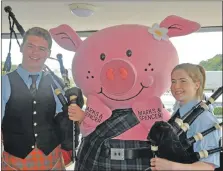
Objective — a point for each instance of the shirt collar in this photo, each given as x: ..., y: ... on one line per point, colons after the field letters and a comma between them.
x: 188, y: 106
x: 24, y: 74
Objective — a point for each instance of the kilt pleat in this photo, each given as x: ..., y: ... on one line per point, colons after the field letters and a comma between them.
x: 36, y: 160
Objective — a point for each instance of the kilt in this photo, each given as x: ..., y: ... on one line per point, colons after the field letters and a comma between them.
x: 36, y: 160
x: 92, y: 152
x: 138, y: 164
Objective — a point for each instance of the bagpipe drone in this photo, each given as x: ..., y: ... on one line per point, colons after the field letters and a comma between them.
x: 72, y: 94
x: 169, y: 140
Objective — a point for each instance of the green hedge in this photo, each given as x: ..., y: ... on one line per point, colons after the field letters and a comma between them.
x: 218, y: 110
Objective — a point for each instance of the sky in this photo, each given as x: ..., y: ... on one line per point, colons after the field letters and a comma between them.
x: 191, y: 48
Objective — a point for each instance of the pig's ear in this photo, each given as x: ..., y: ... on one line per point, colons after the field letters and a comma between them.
x: 178, y: 26
x: 66, y: 37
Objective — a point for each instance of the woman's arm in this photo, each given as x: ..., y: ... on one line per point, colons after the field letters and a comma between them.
x: 163, y: 164
x: 194, y: 166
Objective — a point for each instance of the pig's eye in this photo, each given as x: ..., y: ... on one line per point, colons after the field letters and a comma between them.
x: 129, y: 53
x: 102, y: 56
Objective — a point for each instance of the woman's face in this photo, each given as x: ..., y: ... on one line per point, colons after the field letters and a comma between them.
x: 182, y: 87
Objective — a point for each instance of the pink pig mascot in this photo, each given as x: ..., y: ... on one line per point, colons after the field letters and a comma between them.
x: 123, y: 71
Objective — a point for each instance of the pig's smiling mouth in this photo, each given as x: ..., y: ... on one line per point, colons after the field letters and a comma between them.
x: 101, y: 92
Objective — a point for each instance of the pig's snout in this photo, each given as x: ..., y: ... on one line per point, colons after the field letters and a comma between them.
x: 118, y: 77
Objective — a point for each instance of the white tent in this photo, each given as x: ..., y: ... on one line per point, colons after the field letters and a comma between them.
x: 51, y: 13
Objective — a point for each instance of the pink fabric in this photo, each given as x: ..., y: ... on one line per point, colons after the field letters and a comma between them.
x: 125, y: 66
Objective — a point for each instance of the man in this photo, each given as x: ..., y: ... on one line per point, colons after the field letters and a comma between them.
x: 34, y: 127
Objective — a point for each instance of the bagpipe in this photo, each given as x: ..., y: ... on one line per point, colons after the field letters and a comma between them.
x: 169, y: 139
x: 65, y: 93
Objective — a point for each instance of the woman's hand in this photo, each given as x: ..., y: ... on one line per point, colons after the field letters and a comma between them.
x: 162, y: 164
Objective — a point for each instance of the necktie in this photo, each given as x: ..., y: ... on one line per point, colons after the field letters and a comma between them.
x: 33, y: 88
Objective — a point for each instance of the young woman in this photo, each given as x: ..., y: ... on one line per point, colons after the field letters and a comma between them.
x: 188, y: 81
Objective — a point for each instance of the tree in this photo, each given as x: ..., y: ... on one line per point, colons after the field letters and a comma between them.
x: 218, y: 111
x: 213, y: 64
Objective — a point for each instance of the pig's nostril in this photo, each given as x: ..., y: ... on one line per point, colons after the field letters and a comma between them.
x: 110, y: 74
x: 123, y: 73
x: 117, y: 77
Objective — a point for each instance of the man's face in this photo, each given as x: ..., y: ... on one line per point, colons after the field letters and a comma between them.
x: 35, y: 52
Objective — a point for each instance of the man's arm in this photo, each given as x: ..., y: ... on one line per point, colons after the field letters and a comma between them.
x: 6, y: 91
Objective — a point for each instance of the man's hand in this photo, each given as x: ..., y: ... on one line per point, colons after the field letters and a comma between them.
x: 75, y: 113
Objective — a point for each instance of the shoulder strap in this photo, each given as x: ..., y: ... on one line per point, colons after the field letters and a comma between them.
x: 174, y: 116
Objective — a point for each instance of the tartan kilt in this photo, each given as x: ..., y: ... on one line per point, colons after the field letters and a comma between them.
x: 36, y: 160
x: 104, y: 163
x: 90, y: 152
